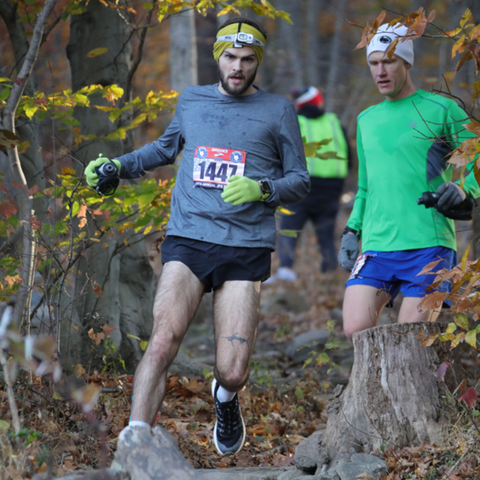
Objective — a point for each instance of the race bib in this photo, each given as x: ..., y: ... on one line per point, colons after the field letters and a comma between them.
x: 212, y: 167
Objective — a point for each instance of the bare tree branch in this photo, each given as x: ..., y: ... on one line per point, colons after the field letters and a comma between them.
x: 25, y: 200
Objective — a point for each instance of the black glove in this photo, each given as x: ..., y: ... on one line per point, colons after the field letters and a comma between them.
x: 349, y: 250
x: 450, y: 195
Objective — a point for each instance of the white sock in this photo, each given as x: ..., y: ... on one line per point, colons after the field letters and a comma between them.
x: 138, y: 423
x: 224, y: 395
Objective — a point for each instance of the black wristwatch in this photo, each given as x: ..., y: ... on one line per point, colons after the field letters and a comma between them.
x: 351, y: 230
x: 265, y: 189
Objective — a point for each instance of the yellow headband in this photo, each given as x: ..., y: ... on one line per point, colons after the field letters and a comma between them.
x: 231, y: 36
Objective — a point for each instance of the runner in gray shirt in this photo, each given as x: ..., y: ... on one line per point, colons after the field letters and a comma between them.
x: 242, y: 157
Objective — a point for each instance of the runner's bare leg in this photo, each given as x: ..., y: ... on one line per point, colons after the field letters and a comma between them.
x: 409, y: 312
x: 236, y: 310
x: 177, y: 298
x: 362, y: 306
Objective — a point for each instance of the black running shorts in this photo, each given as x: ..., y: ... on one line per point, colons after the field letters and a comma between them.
x: 215, y: 264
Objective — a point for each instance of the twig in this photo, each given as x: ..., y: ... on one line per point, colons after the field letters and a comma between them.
x: 6, y: 319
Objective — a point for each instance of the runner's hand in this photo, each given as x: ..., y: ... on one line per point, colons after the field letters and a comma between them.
x: 348, y: 253
x: 241, y: 190
x: 90, y: 173
x: 450, y: 195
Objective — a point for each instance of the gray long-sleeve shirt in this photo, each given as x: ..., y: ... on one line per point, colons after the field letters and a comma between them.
x: 262, y: 129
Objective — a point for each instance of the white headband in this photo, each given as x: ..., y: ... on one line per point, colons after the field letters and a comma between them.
x: 385, y: 36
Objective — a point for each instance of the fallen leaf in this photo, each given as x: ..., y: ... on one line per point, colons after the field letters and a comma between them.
x: 365, y: 476
x: 469, y: 397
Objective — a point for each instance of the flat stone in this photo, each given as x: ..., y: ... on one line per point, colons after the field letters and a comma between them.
x: 301, y: 347
x: 293, y: 475
x: 258, y: 473
x: 361, y: 463
x: 306, y: 464
x: 310, y: 448
x: 286, y: 301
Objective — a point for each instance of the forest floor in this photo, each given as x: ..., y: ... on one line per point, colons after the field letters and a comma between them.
x: 58, y: 434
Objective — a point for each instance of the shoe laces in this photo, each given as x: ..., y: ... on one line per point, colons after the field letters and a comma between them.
x: 228, y: 416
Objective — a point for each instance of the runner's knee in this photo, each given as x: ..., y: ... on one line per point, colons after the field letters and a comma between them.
x: 232, y: 379
x: 163, y: 346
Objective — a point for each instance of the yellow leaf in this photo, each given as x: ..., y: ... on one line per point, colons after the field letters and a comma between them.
x: 57, y: 396
x: 471, y: 338
x: 451, y: 328
x: 466, y: 17
x: 457, y: 340
x: 30, y: 111
x: 445, y: 337
x: 462, y: 321
x: 465, y: 257
x: 459, y: 46
x: 452, y: 33
x: 96, y: 52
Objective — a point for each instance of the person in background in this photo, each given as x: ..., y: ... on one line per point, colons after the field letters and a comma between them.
x: 403, y: 146
x: 322, y: 204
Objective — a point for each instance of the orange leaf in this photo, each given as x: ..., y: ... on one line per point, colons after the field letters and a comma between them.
x: 367, y: 35
x: 473, y: 127
x: 98, y: 290
x: 429, y: 267
x: 96, y: 337
x: 8, y: 208
x: 108, y: 330
x: 82, y: 212
x: 390, y: 51
x: 466, y: 57
x: 379, y: 20
x: 33, y: 190
x: 35, y: 223
x: 432, y: 301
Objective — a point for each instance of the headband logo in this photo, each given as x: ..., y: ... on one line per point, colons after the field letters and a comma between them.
x: 385, y: 39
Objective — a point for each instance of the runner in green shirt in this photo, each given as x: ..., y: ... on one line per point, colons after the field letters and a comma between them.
x: 403, y: 145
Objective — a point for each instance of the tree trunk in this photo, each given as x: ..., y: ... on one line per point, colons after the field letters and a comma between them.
x: 313, y: 42
x: 335, y: 57
x: 183, y: 50
x: 393, y: 397
x: 123, y: 272
x: 25, y: 200
x: 288, y: 63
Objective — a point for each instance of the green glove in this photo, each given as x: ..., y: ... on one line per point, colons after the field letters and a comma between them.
x: 90, y: 173
x: 241, y: 190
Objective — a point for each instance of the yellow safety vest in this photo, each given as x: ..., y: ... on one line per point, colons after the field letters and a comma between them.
x: 321, y: 128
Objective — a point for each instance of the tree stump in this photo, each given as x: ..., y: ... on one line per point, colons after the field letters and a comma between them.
x: 393, y: 398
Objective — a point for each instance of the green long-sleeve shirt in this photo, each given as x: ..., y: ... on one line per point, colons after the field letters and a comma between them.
x: 403, y: 148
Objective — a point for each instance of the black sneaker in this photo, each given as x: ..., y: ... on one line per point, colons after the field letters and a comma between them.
x: 229, y: 432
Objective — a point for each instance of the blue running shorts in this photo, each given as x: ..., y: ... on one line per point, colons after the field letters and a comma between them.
x: 397, y: 271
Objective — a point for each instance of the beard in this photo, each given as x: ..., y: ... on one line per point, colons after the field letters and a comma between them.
x: 240, y: 89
